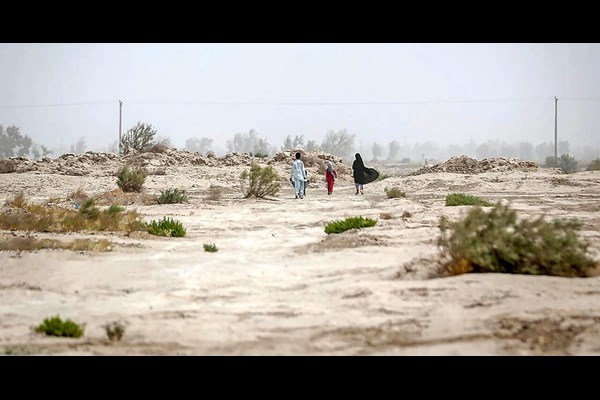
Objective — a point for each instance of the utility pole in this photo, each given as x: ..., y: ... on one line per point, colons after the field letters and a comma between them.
x: 555, y: 130
x: 120, y: 118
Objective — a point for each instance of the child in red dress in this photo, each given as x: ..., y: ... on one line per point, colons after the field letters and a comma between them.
x: 331, y: 176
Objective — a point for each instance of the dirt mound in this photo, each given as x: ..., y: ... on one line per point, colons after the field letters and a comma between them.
x: 107, y: 164
x: 467, y: 165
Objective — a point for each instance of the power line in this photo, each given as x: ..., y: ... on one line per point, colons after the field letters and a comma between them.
x: 56, y: 105
x: 331, y: 103
x: 250, y: 103
x: 580, y: 98
x: 258, y: 103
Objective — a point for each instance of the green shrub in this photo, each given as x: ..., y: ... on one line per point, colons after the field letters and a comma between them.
x: 394, y: 192
x: 115, y: 208
x: 131, y: 179
x: 594, y: 165
x: 55, y: 326
x: 171, y: 196
x: 138, y: 138
x: 565, y: 162
x: 260, y: 182
x: 496, y: 241
x: 461, y: 199
x: 89, y: 210
x: 211, y: 248
x: 349, y: 223
x: 166, y: 227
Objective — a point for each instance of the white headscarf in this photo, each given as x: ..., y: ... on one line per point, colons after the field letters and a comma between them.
x: 330, y: 167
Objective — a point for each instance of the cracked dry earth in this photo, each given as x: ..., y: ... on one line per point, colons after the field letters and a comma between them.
x: 280, y: 286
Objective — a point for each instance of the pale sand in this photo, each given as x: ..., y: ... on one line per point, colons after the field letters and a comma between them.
x: 280, y: 286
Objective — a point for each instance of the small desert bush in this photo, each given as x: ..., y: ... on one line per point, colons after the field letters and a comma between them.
x: 114, y: 330
x: 17, y: 201
x: 211, y: 248
x: 394, y: 192
x: 78, y: 195
x: 160, y: 147
x: 406, y: 214
x: 131, y: 179
x: 115, y: 208
x: 349, y: 223
x: 55, y: 326
x: 260, y: 181
x: 594, y: 165
x: 497, y: 241
x: 215, y: 193
x: 166, y: 227
x: 32, y: 244
x: 89, y: 209
x: 171, y: 196
x: 461, y: 199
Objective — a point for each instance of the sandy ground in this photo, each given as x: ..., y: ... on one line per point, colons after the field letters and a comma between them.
x: 280, y: 286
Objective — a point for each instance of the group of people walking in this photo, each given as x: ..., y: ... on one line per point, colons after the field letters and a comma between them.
x: 361, y: 174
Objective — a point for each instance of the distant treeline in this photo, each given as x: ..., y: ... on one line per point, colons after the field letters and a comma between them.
x: 340, y: 143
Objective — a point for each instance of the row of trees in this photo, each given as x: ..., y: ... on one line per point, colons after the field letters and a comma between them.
x: 13, y: 143
x: 143, y: 137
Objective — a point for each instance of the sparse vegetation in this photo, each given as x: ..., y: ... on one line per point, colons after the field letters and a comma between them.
x: 565, y: 162
x: 497, y: 241
x: 215, y: 193
x: 172, y: 196
x: 260, y: 181
x: 406, y: 214
x: 114, y: 330
x: 349, y: 223
x: 394, y: 192
x: 131, y: 179
x: 594, y: 165
x: 89, y: 209
x: 32, y: 244
x: 211, y: 248
x: 115, y: 208
x: 17, y: 201
x: 78, y: 195
x: 166, y: 227
x: 461, y: 199
x: 44, y: 218
x: 55, y: 326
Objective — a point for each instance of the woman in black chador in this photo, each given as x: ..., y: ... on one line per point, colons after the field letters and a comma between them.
x: 362, y: 175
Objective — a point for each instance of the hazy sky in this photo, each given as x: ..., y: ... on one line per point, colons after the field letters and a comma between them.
x: 410, y: 92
